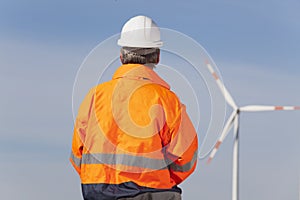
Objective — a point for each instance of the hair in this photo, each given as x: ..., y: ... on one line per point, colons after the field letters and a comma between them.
x: 135, y: 55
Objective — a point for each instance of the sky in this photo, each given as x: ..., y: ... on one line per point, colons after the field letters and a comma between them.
x: 255, y: 45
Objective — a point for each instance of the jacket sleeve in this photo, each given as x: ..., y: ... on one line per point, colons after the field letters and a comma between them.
x: 80, y: 128
x: 183, y: 147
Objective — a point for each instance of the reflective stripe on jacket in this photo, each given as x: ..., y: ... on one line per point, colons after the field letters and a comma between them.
x: 133, y: 129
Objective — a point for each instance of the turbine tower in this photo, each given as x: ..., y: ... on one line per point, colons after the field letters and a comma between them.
x: 233, y: 122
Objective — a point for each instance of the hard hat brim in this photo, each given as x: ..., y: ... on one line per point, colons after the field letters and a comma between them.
x: 156, y: 44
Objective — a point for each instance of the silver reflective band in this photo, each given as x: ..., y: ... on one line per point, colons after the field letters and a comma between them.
x: 124, y: 159
x: 186, y: 167
x: 76, y: 161
x: 133, y: 161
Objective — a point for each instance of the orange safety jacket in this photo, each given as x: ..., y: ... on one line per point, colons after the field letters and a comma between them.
x: 132, y: 135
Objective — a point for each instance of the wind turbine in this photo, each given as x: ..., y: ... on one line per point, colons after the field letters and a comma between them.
x: 233, y: 122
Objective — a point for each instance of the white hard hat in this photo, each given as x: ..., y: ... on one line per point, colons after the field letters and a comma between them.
x: 140, y: 31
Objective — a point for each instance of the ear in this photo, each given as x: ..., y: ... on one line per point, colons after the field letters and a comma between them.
x: 158, y: 57
x: 121, y: 58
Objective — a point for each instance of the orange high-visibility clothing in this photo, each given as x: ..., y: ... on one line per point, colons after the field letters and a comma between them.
x: 133, y: 129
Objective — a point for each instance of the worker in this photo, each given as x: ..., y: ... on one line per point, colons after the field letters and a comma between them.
x: 133, y: 139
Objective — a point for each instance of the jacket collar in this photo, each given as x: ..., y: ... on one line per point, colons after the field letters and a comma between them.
x: 139, y: 72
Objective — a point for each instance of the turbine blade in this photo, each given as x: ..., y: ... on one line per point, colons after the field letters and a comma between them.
x: 258, y: 108
x: 222, y: 87
x: 223, y: 135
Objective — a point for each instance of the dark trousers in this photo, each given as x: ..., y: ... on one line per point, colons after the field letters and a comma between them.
x: 156, y: 196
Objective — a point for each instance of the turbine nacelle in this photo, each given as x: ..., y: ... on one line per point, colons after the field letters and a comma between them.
x: 233, y: 122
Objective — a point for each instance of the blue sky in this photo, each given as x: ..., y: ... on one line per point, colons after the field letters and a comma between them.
x: 42, y: 44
